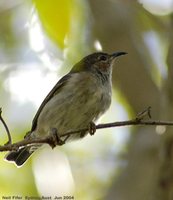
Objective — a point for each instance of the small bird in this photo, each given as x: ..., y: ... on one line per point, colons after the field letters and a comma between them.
x: 75, y: 102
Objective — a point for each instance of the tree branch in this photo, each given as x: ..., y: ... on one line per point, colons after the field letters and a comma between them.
x: 49, y: 139
x: 53, y: 140
x: 6, y: 128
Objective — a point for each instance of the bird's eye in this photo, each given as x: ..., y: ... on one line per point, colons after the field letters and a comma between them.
x: 103, y: 58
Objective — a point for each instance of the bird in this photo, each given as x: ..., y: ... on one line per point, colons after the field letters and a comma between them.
x: 77, y: 101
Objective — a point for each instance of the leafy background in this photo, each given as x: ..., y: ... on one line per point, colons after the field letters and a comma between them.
x: 39, y: 42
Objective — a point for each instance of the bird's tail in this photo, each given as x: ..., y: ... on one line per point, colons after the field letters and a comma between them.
x: 20, y: 157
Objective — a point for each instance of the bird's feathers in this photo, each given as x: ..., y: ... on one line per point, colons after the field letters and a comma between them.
x: 57, y: 88
x: 78, y: 99
x: 19, y: 157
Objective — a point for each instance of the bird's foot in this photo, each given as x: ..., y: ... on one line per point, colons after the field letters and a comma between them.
x: 92, y: 128
x: 55, y: 139
x: 82, y: 134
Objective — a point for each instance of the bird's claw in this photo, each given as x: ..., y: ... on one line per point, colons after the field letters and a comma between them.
x: 55, y: 139
x: 92, y: 128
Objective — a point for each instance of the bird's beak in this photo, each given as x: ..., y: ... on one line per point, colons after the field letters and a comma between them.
x: 116, y: 54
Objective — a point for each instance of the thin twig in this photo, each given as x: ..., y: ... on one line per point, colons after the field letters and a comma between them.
x: 6, y: 128
x: 48, y: 139
x: 144, y: 113
x: 124, y: 123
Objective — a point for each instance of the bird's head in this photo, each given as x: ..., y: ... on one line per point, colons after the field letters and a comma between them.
x: 95, y: 62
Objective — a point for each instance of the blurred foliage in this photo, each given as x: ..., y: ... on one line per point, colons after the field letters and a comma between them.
x: 69, y: 30
x: 65, y: 22
x: 53, y: 13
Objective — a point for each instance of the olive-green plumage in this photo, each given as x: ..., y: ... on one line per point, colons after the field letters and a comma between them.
x: 78, y: 99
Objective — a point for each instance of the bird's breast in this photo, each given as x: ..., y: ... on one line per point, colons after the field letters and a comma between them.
x: 94, y: 96
x: 82, y: 100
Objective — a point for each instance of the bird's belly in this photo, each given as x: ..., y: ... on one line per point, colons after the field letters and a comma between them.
x: 73, y: 111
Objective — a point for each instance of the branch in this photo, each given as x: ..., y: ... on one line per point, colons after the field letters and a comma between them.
x: 49, y: 139
x: 54, y: 139
x: 124, y: 123
x: 6, y: 128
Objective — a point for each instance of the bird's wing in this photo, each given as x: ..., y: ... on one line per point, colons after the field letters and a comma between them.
x: 56, y: 89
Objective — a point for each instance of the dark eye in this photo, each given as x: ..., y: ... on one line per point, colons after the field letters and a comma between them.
x: 103, y: 58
